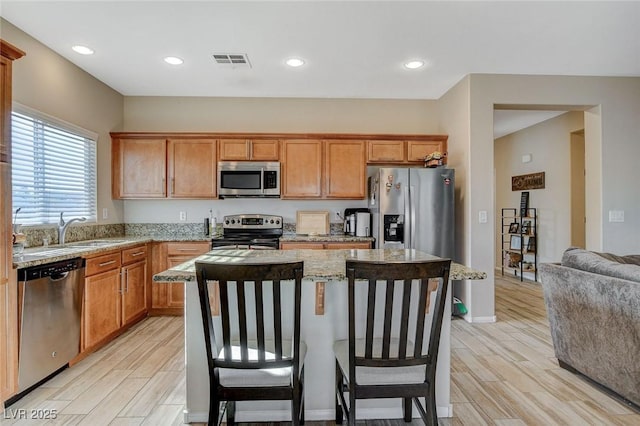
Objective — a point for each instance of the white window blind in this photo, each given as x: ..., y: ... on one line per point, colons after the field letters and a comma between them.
x: 53, y: 169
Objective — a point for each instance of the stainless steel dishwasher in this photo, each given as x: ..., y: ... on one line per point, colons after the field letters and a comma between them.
x: 50, y: 298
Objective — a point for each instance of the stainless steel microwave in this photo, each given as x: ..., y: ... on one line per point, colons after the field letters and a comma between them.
x: 248, y: 179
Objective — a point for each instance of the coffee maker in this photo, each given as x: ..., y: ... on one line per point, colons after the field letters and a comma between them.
x: 357, y: 222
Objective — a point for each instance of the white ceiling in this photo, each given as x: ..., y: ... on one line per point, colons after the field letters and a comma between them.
x: 352, y: 49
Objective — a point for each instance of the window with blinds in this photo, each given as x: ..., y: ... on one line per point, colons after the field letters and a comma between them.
x: 53, y: 169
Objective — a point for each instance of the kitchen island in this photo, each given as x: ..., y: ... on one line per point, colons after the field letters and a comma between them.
x: 327, y: 268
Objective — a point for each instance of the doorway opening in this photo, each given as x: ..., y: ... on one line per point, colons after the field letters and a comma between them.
x: 540, y: 141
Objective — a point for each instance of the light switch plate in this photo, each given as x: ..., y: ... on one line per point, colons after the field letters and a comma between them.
x: 616, y: 215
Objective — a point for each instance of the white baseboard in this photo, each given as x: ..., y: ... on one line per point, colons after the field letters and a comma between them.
x: 479, y: 320
x: 285, y: 415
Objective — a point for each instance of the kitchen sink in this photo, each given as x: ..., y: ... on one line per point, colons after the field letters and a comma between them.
x: 95, y: 243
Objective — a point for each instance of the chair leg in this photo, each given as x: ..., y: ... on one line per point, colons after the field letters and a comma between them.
x: 352, y: 408
x: 231, y: 413
x: 214, y: 407
x: 295, y: 407
x: 432, y: 416
x: 338, y: 390
x: 406, y: 408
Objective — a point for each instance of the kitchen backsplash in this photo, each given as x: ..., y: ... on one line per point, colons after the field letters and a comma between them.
x: 175, y: 231
x: 36, y: 234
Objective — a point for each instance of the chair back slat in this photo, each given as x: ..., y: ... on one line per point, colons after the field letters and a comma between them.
x: 422, y: 306
x: 226, y: 323
x: 277, y: 324
x: 259, y: 320
x: 404, y: 319
x: 371, y: 315
x: 401, y: 318
x: 388, y: 316
x: 242, y: 321
x: 253, y: 328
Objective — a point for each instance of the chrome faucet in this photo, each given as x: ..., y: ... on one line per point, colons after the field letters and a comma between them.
x: 62, y: 226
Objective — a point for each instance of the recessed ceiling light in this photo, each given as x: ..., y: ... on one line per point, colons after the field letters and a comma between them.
x: 173, y: 60
x: 83, y: 50
x: 412, y: 65
x: 294, y: 62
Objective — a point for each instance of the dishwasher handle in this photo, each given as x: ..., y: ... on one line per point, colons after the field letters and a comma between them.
x: 58, y: 276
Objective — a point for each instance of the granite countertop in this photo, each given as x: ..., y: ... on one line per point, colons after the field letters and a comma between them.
x: 54, y: 253
x: 337, y: 238
x: 326, y: 265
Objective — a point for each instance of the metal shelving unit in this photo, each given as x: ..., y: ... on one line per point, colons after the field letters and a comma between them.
x: 519, y: 242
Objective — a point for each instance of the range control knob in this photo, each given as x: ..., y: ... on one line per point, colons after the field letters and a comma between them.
x: 277, y: 222
x: 226, y: 222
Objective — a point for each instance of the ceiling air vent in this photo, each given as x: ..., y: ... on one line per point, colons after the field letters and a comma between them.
x: 233, y: 59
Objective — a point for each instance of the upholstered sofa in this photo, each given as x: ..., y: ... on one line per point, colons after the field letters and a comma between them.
x: 593, y: 305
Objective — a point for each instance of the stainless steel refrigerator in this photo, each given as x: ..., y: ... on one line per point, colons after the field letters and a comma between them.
x: 413, y: 208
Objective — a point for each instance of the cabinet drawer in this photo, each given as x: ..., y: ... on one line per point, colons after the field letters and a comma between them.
x: 185, y: 249
x: 134, y: 254
x: 98, y: 264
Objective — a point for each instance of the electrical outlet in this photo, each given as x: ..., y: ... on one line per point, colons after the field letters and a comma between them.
x: 105, y: 213
x: 183, y: 216
x: 482, y: 216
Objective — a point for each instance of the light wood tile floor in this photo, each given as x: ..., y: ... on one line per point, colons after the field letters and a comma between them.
x: 502, y: 374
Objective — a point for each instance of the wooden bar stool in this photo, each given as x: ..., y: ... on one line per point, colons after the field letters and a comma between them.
x: 254, y: 351
x: 385, y: 358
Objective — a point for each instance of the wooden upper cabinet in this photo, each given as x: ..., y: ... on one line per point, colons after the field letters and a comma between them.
x: 301, y: 168
x: 192, y: 168
x: 345, y: 169
x: 417, y: 150
x: 161, y: 168
x: 249, y: 150
x: 385, y: 151
x: 139, y: 168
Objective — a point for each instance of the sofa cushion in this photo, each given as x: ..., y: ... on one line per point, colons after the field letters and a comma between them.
x: 623, y: 267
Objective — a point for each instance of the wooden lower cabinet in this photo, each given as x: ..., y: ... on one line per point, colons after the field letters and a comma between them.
x: 115, y: 295
x: 324, y: 245
x: 134, y: 291
x: 101, y: 307
x: 168, y: 297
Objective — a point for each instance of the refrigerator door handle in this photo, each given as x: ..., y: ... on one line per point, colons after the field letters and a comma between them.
x: 412, y: 205
x: 408, y: 225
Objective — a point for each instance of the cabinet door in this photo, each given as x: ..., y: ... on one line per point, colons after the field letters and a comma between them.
x: 301, y: 245
x: 101, y: 306
x: 234, y: 150
x: 385, y: 152
x: 192, y: 168
x: 139, y: 168
x: 301, y: 167
x: 134, y: 291
x: 267, y: 150
x: 175, y: 293
x: 345, y: 169
x: 417, y: 150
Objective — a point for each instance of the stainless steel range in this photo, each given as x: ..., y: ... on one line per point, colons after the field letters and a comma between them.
x: 249, y: 231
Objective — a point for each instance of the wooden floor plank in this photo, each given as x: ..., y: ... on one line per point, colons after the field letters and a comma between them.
x: 503, y: 373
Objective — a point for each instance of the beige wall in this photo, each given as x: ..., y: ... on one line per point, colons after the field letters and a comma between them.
x: 280, y: 115
x: 285, y: 115
x: 45, y: 81
x: 549, y: 144
x: 454, y: 111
